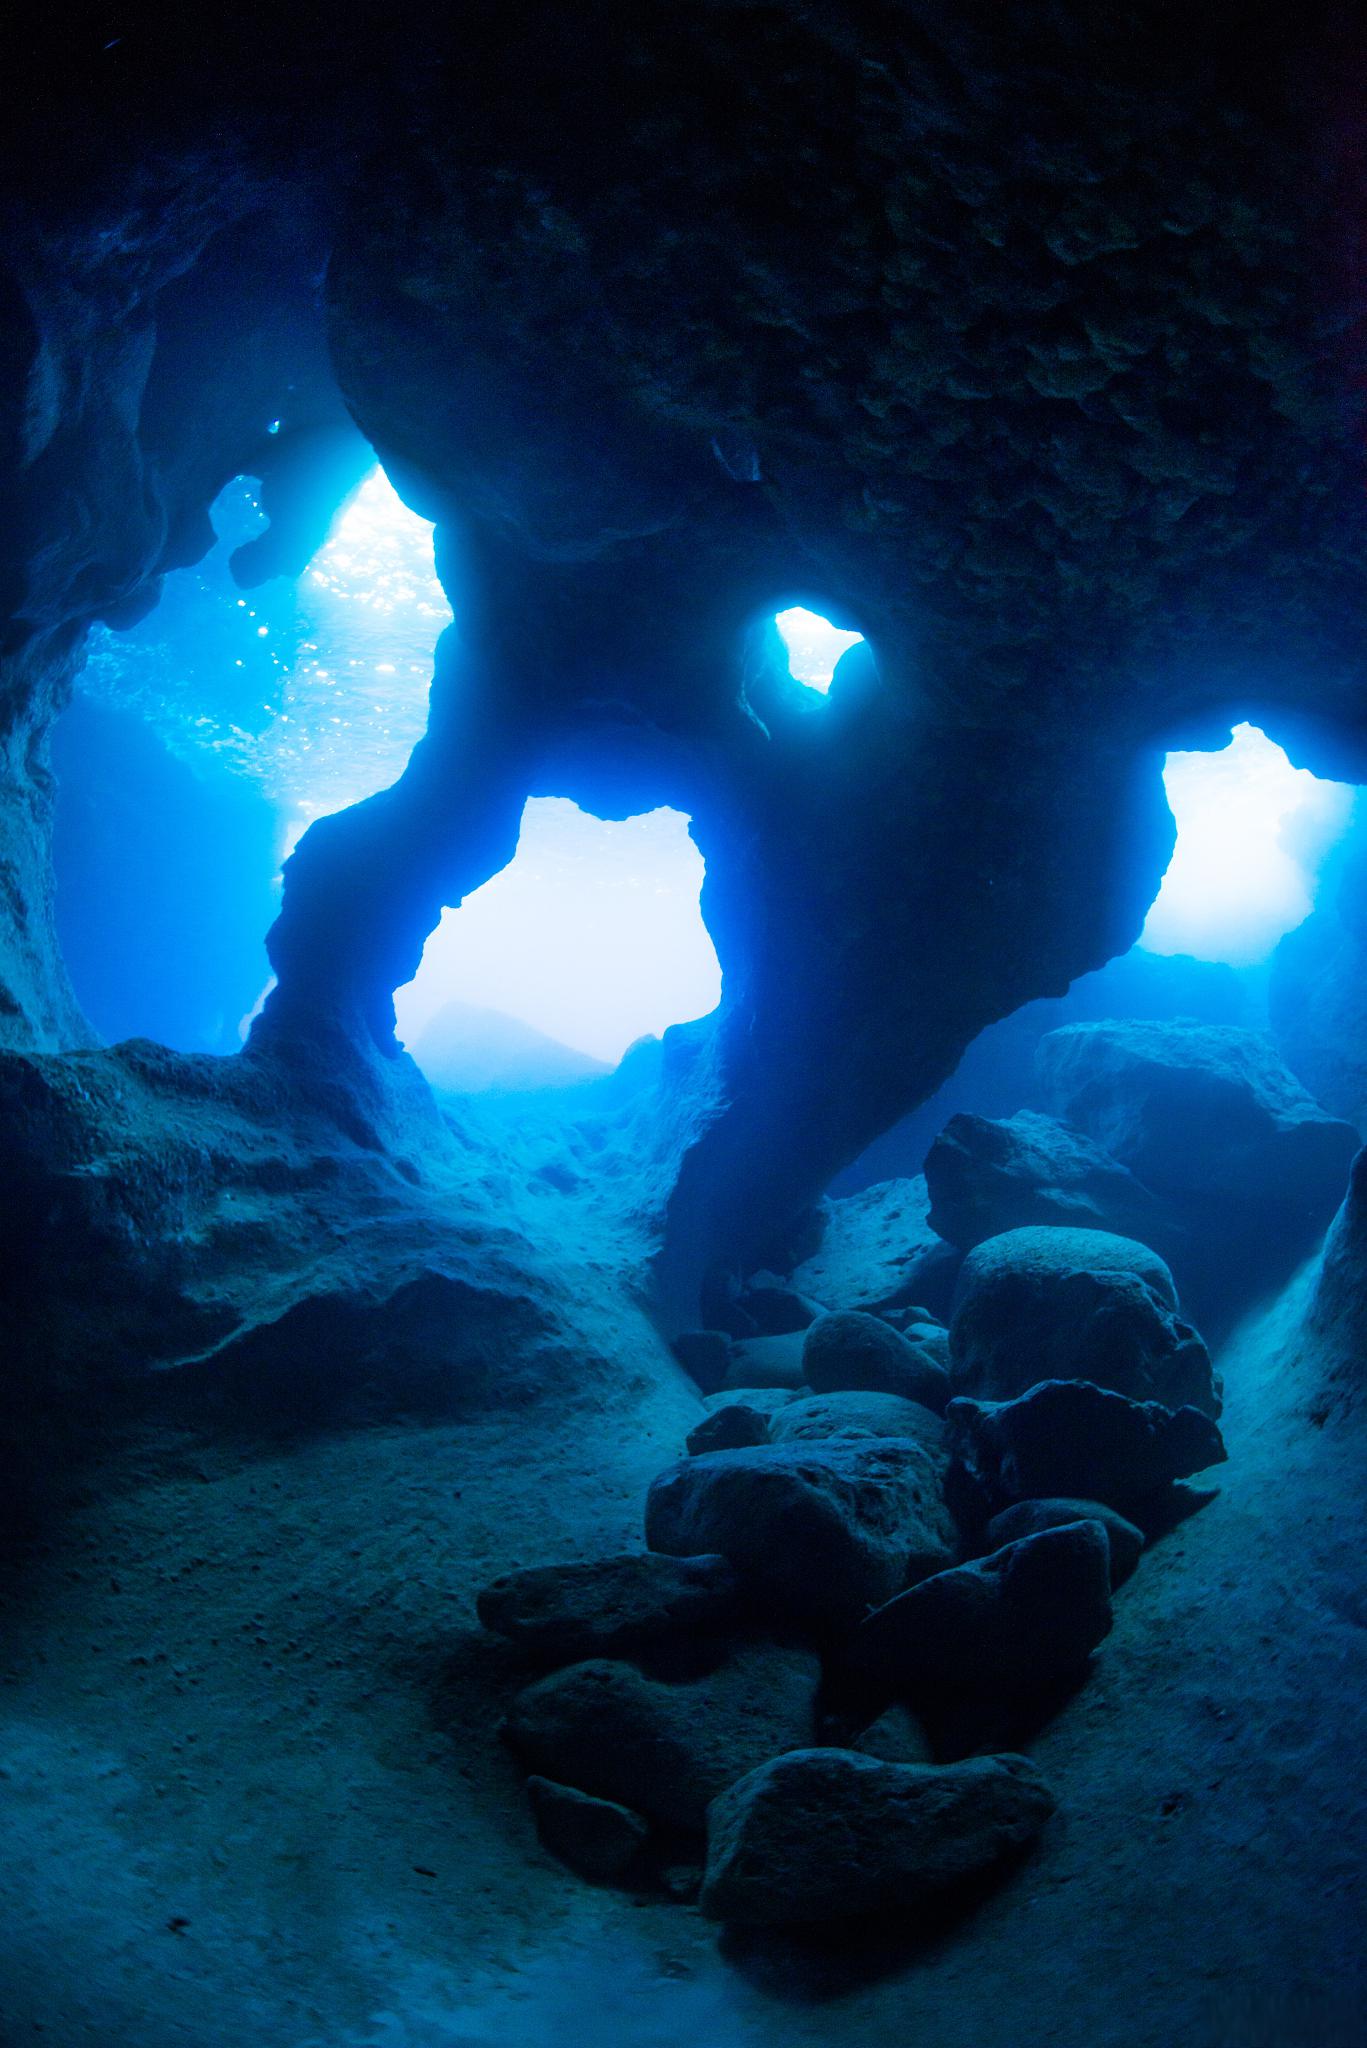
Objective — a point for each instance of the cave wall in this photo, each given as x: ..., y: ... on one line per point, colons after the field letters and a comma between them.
x: 1026, y: 345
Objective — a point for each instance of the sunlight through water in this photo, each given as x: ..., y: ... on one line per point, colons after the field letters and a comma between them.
x: 315, y: 690
x: 814, y: 645
x: 591, y: 935
x: 1252, y: 832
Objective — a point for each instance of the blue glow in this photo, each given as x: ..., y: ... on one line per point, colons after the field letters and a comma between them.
x: 814, y: 646
x: 1252, y: 833
x: 592, y: 934
x: 314, y: 690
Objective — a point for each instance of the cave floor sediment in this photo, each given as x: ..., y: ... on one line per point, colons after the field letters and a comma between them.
x: 251, y: 1785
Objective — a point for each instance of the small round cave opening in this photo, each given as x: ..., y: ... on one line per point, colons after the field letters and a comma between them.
x: 814, y: 646
x: 590, y: 939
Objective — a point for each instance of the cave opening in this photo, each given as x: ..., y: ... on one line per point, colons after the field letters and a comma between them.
x: 590, y: 939
x: 203, y: 742
x: 814, y: 646
x: 737, y: 1530
x: 1253, y: 833
x: 1246, y: 932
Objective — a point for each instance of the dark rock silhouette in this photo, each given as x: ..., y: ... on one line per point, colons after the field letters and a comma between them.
x: 986, y: 1177
x: 1029, y: 1614
x: 1069, y: 1437
x: 827, y: 1833
x: 1044, y: 1304
x: 822, y: 1529
x: 665, y: 1750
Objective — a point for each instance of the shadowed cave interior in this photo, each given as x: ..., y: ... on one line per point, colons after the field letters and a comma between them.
x: 682, y: 1054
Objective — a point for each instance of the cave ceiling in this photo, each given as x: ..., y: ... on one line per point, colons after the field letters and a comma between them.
x: 1026, y: 342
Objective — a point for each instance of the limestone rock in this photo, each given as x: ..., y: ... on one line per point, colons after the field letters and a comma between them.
x: 858, y: 1414
x: 766, y: 1362
x: 665, y: 1750
x: 764, y: 1400
x: 878, y: 1251
x: 778, y: 1311
x: 826, y: 1834
x: 1023, y: 1618
x: 596, y: 1838
x: 1045, y: 1304
x: 1028, y: 1517
x: 609, y: 1604
x: 896, y: 1737
x: 1072, y: 1438
x: 1203, y: 1111
x: 849, y: 1352
x: 987, y: 1176
x: 733, y: 1426
x: 823, y: 1529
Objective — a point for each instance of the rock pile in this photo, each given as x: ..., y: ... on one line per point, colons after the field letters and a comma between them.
x: 862, y: 1587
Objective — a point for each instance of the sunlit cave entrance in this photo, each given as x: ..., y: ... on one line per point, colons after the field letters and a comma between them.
x: 1253, y: 833
x: 590, y: 939
x: 1244, y: 932
x: 203, y: 742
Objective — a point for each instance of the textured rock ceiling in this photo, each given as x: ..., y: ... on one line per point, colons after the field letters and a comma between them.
x: 1025, y: 341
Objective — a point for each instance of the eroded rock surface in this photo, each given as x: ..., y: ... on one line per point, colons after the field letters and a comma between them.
x: 606, y: 1605
x: 878, y: 1251
x: 1026, y: 1616
x: 858, y: 1414
x: 823, y: 1529
x: 829, y: 1833
x: 666, y: 1750
x: 986, y: 1176
x: 1205, y: 1114
x: 1069, y: 1437
x: 1054, y: 1304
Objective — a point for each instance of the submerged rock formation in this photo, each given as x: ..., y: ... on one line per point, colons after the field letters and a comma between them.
x: 1024, y: 342
x: 829, y: 1833
x: 967, y: 436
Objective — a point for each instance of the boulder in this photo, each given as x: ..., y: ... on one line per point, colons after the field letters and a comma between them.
x: 609, y: 1604
x: 1070, y: 1437
x: 987, y: 1176
x: 659, y: 1749
x: 1206, y: 1114
x: 731, y: 1427
x: 766, y: 1400
x: 879, y: 1252
x: 849, y: 1352
x: 931, y: 1338
x: 777, y: 1311
x: 896, y: 1737
x: 1051, y: 1304
x: 859, y: 1414
x: 1022, y: 1619
x: 1028, y: 1517
x: 596, y: 1838
x: 766, y: 1362
x: 824, y: 1529
x: 830, y: 1834
x: 1047, y: 1250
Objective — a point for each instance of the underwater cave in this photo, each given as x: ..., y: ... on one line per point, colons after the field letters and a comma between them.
x: 683, y: 921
